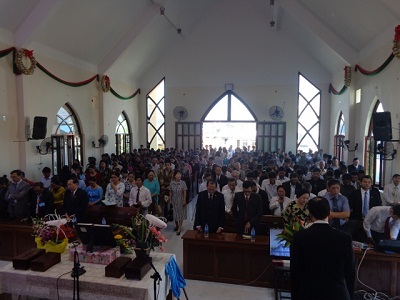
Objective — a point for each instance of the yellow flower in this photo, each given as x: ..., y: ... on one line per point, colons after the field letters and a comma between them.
x: 118, y: 237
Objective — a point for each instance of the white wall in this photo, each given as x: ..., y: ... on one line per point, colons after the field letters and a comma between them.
x: 263, y: 66
x: 43, y: 96
x: 383, y: 86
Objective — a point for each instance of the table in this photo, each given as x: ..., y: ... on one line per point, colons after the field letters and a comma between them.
x: 228, y: 258
x: 379, y: 270
x: 93, y: 284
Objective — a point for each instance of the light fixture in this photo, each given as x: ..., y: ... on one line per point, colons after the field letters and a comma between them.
x: 162, y: 13
x: 347, y: 144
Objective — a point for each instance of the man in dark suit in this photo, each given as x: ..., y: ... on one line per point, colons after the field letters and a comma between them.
x: 363, y: 199
x: 220, y: 178
x: 317, y: 184
x: 264, y: 198
x: 41, y: 202
x: 321, y: 259
x: 210, y: 209
x: 75, y: 200
x: 292, y: 186
x: 247, y: 209
x: 17, y: 196
x: 355, y: 167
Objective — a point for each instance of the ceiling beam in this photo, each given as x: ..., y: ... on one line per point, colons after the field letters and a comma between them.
x: 316, y: 27
x: 149, y: 14
x: 37, y: 17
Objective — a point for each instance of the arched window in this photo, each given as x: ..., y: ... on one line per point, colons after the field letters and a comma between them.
x: 339, y: 137
x: 308, y: 117
x: 122, y: 135
x: 66, y: 139
x: 229, y: 122
x: 156, y: 116
x: 374, y: 163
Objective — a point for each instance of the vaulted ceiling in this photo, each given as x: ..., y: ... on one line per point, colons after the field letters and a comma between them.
x: 129, y: 36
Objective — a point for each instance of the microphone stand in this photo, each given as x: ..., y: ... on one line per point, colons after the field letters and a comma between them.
x: 77, y: 271
x: 156, y: 277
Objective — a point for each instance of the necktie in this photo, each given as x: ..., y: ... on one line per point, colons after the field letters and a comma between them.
x: 137, y: 195
x: 247, y: 204
x: 366, y: 204
x: 232, y: 196
x: 37, y: 204
x: 281, y: 207
x: 335, y: 208
x: 388, y: 225
x: 395, y: 195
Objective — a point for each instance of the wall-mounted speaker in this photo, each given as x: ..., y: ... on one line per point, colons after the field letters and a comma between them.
x: 39, y: 128
x: 382, y: 126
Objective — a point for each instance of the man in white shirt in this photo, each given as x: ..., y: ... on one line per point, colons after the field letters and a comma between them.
x: 382, y: 222
x: 270, y: 185
x: 140, y: 196
x: 278, y: 204
x: 391, y: 192
x: 229, y: 193
x: 239, y: 183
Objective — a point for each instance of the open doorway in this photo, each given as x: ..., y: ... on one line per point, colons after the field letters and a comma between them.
x: 226, y: 134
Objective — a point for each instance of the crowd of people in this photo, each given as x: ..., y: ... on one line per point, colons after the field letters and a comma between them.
x: 249, y: 183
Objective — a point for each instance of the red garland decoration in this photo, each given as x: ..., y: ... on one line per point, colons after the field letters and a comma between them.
x: 396, y: 40
x: 347, y: 75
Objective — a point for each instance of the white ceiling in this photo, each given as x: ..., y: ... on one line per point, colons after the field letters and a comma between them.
x: 128, y: 36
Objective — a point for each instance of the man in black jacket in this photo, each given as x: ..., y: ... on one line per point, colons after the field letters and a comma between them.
x: 41, y: 201
x: 247, y: 209
x: 75, y: 201
x: 210, y: 209
x: 321, y: 258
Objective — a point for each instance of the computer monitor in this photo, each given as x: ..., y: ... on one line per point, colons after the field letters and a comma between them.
x: 95, y: 235
x: 277, y: 249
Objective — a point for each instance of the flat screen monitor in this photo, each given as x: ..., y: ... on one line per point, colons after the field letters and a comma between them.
x: 277, y: 249
x: 95, y: 235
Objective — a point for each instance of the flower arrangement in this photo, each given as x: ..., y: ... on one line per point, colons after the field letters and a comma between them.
x: 145, y: 233
x: 51, y: 233
x: 125, y: 244
x: 288, y: 232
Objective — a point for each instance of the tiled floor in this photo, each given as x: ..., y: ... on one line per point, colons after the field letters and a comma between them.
x: 201, y: 289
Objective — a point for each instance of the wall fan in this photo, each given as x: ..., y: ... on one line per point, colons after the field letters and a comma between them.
x: 385, y: 149
x: 103, y: 141
x: 45, y: 146
x: 180, y: 113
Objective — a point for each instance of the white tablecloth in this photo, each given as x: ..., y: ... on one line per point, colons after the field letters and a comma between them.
x: 93, y: 284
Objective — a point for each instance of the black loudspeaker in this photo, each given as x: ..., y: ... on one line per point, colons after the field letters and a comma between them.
x: 382, y: 126
x: 39, y: 128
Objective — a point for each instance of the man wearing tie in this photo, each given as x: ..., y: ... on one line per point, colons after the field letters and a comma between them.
x: 247, y: 209
x: 391, y: 192
x: 210, y: 209
x: 17, y: 196
x: 363, y: 199
x: 140, y: 196
x: 75, y: 200
x: 382, y: 222
x: 220, y: 178
x: 41, y: 202
x: 340, y: 209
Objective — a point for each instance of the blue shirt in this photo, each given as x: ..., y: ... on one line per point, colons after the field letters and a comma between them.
x: 342, y: 205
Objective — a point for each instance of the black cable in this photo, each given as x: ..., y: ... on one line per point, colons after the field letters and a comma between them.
x: 58, y: 295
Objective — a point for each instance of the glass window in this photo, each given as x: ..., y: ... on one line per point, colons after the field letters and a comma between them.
x: 308, y: 118
x: 122, y: 135
x: 156, y: 116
